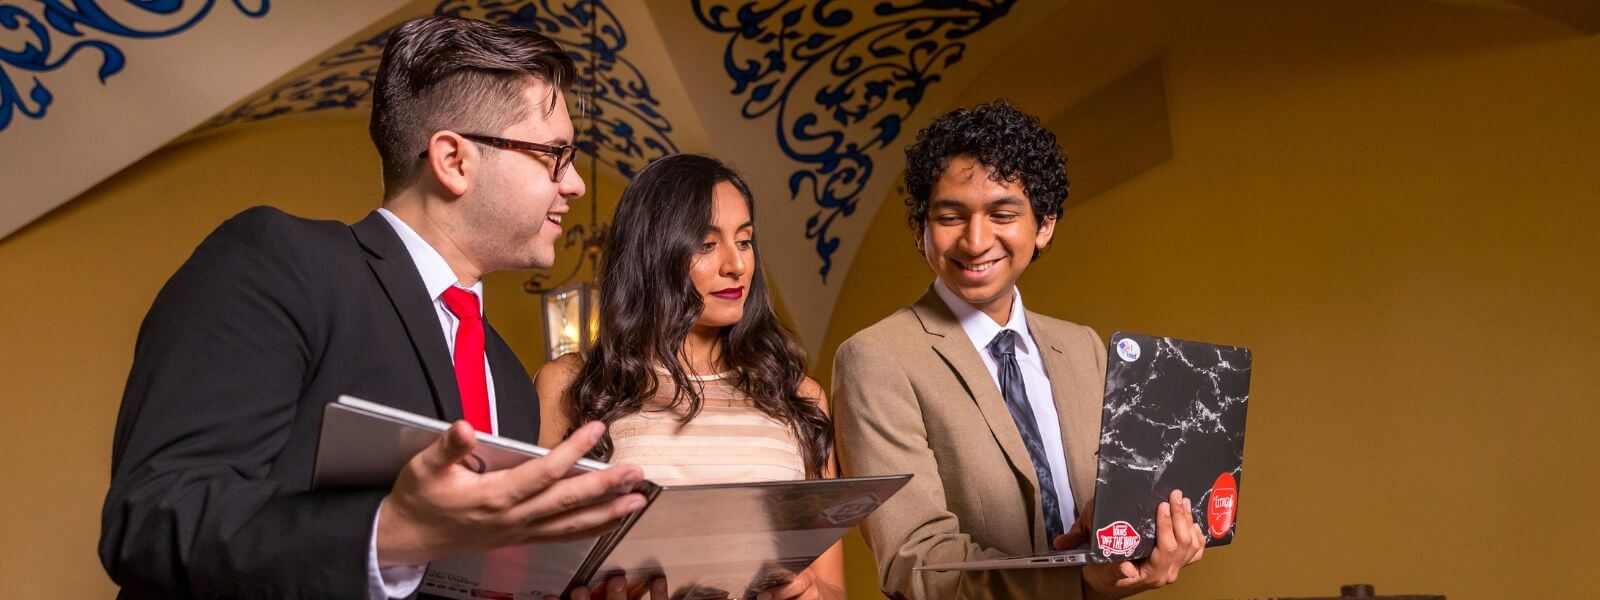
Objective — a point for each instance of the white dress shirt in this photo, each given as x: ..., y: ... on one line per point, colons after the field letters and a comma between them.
x: 437, y: 276
x: 981, y: 330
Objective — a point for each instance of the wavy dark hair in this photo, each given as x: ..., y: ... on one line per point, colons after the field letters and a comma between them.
x: 648, y: 304
x: 999, y: 136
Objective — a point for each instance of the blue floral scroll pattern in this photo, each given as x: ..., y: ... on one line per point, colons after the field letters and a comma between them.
x: 81, y: 27
x: 627, y: 128
x: 625, y: 124
x: 343, y: 80
x: 839, y: 86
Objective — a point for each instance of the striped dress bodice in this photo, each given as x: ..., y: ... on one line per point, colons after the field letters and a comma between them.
x: 730, y: 441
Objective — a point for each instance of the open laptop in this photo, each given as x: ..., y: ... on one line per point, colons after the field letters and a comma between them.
x: 1173, y: 418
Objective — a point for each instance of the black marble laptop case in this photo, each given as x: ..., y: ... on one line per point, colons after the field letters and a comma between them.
x: 1173, y: 418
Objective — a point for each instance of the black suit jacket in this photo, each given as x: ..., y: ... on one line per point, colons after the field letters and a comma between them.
x: 272, y: 318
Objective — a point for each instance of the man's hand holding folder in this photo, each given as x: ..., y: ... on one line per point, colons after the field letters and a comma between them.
x: 495, y: 517
x: 440, y: 507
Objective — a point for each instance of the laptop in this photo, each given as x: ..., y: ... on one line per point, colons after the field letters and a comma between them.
x: 1173, y: 418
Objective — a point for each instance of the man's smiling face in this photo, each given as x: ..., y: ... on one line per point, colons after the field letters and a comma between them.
x: 981, y: 234
x: 515, y: 210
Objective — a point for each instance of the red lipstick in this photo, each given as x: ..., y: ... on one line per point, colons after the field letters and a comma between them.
x: 733, y: 293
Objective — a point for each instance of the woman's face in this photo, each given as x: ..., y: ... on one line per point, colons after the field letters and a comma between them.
x: 725, y: 262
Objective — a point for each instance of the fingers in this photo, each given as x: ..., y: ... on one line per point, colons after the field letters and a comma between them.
x: 1179, y: 541
x: 456, y: 443
x: 1164, y: 541
x: 530, y: 477
x: 1199, y: 539
x: 1073, y: 538
x: 542, y: 537
x: 1069, y: 540
x: 794, y: 589
x: 569, y: 524
x: 1078, y: 533
x: 1118, y: 579
x: 1186, y: 529
x: 1201, y: 550
x: 600, y: 590
x: 577, y: 492
x: 617, y: 588
x: 1182, y: 518
x: 1129, y: 572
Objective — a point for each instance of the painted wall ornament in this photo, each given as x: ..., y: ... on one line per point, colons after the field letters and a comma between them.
x: 341, y: 81
x: 627, y: 128
x: 839, y: 79
x: 55, y: 32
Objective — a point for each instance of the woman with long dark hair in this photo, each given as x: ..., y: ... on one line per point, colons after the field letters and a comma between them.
x: 694, y: 376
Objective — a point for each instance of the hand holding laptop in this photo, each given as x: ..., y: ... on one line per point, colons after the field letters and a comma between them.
x: 1179, y: 542
x: 1077, y: 536
x: 1154, y: 386
x: 439, y: 507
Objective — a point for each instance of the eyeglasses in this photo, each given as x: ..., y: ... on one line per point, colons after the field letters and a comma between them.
x: 563, y: 154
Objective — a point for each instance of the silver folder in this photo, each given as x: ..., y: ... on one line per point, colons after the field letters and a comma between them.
x: 708, y: 541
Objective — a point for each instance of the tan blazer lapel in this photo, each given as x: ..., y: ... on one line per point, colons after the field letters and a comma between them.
x: 1079, y: 417
x: 952, y: 343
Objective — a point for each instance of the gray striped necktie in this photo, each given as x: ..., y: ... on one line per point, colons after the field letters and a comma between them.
x: 1004, y: 350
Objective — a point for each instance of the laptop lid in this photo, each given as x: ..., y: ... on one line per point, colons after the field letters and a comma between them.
x: 1173, y: 418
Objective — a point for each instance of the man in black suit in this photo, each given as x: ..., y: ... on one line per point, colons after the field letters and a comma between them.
x: 275, y: 316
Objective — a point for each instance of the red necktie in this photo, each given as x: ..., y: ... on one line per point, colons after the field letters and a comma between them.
x: 470, y: 379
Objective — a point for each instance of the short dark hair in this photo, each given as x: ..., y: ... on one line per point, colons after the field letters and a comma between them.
x: 999, y: 136
x: 460, y: 74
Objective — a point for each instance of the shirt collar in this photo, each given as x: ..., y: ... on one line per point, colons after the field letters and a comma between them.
x: 437, y: 276
x: 980, y: 328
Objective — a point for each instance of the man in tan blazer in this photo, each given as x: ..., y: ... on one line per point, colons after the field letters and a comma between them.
x: 994, y: 409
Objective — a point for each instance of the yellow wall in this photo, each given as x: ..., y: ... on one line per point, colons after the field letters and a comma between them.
x: 1394, y: 205
x: 79, y: 281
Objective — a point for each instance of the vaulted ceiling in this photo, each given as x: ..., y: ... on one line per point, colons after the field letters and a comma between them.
x: 812, y: 100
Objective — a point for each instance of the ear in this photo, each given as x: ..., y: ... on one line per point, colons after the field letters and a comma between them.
x: 917, y: 236
x: 453, y: 161
x: 1047, y: 230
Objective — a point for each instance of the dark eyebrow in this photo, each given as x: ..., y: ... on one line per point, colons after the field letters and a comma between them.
x: 746, y: 225
x: 1008, y: 201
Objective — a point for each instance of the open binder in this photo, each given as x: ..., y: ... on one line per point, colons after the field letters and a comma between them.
x: 709, y: 541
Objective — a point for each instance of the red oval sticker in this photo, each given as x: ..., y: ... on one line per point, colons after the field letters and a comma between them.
x: 1118, y: 539
x: 1224, y: 501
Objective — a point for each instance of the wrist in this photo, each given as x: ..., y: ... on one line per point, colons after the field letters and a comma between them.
x: 396, y: 537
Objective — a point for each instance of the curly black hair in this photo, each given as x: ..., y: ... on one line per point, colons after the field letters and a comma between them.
x: 997, y: 135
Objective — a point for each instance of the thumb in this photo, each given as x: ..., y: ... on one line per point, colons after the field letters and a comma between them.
x: 1078, y: 534
x: 456, y: 443
x: 1128, y: 569
x: 1071, y: 539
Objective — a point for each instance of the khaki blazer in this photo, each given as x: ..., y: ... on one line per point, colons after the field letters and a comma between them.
x: 912, y: 396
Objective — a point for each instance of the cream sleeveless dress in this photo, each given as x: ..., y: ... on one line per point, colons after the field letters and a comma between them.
x: 730, y: 441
